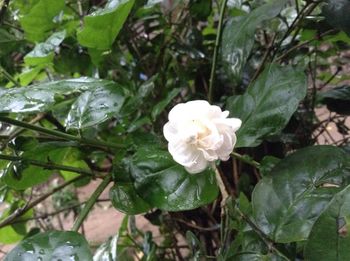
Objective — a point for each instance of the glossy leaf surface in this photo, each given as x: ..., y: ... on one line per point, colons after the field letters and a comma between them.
x: 164, y: 184
x: 95, y: 106
x: 337, y: 99
x: 268, y: 104
x: 40, y: 98
x: 102, y: 27
x: 52, y: 246
x: 238, y: 36
x: 125, y: 198
x: 298, y: 189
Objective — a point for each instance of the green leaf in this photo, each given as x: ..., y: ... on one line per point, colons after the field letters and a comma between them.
x: 249, y: 256
x: 164, y: 184
x: 329, y: 238
x: 102, y: 27
x: 13, y: 233
x: 53, y: 245
x: 238, y: 36
x: 160, y: 106
x: 287, y: 202
x: 337, y: 14
x: 94, y: 107
x: 268, y: 103
x: 41, y: 97
x: 125, y: 199
x: 39, y: 21
x: 43, y: 53
x: 337, y: 99
x: 20, y: 175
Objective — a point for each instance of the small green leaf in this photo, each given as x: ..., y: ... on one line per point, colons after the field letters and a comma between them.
x: 238, y: 36
x: 39, y: 21
x: 102, y: 27
x: 41, y: 97
x: 53, y: 245
x: 125, y: 198
x: 164, y: 184
x: 43, y: 53
x: 329, y: 238
x: 268, y: 103
x: 287, y: 202
x: 94, y: 107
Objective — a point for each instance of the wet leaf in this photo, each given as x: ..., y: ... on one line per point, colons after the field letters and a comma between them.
x: 53, y: 245
x: 238, y: 36
x: 332, y: 227
x: 102, y: 27
x: 295, y: 193
x: 43, y: 53
x: 94, y: 107
x: 164, y: 184
x: 267, y: 104
x: 41, y: 97
x: 125, y: 198
x: 38, y: 21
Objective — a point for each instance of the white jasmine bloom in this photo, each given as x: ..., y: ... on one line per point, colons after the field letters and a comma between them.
x: 199, y: 133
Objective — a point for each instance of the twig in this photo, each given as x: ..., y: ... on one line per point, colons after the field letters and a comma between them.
x: 91, y: 202
x: 246, y: 159
x: 94, y: 143
x: 216, y: 49
x: 9, y: 77
x: 49, y: 165
x: 20, y: 212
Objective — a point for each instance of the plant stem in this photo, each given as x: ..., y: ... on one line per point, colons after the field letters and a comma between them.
x: 60, y: 134
x: 267, y: 241
x: 91, y: 202
x: 48, y: 165
x: 245, y: 159
x: 21, y: 211
x: 9, y: 77
x: 216, y: 49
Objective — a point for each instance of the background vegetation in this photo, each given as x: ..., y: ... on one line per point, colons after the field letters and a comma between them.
x: 86, y: 88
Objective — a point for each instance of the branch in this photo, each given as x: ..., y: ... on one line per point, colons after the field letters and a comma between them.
x: 21, y: 211
x: 91, y: 202
x: 49, y: 165
x: 245, y: 159
x: 216, y: 48
x: 94, y: 143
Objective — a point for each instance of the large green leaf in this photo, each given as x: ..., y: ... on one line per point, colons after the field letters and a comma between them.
x: 125, y: 198
x: 329, y: 238
x: 238, y: 36
x: 22, y: 175
x: 164, y: 184
x: 287, y: 202
x: 102, y: 27
x: 337, y: 99
x: 53, y: 245
x: 268, y: 103
x: 39, y: 20
x: 41, y: 97
x: 43, y: 53
x: 337, y: 14
x: 95, y: 106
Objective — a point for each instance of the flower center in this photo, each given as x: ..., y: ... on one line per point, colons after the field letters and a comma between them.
x: 196, y: 131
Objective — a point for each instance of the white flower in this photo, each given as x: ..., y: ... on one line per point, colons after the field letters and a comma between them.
x: 199, y: 133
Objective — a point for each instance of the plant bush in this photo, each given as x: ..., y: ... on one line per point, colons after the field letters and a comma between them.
x: 87, y: 86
